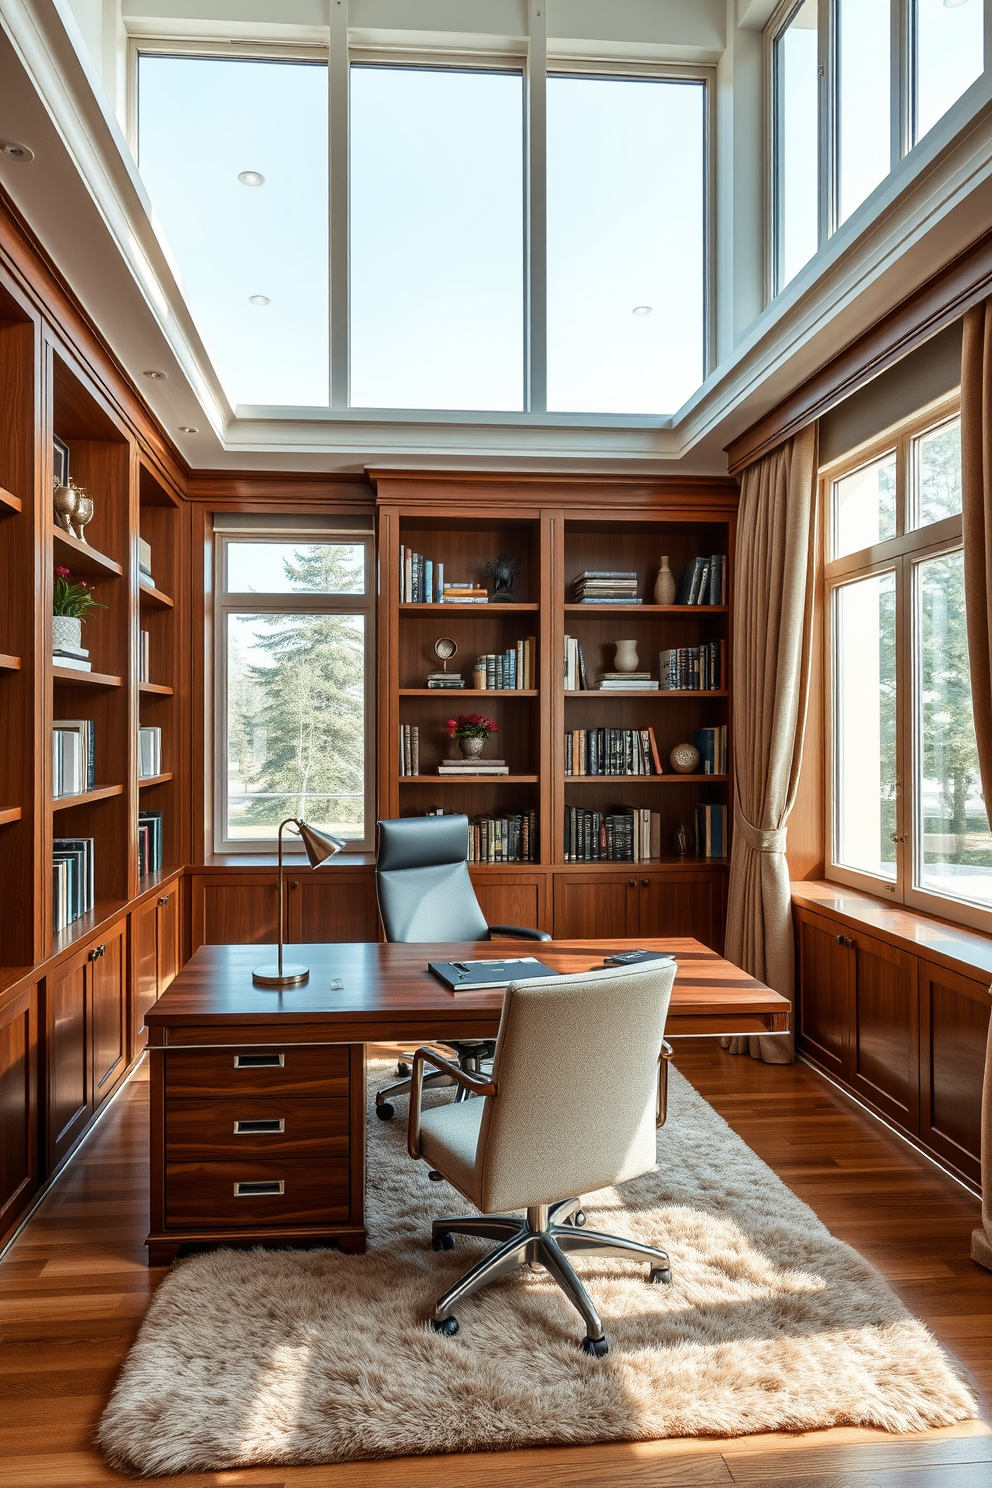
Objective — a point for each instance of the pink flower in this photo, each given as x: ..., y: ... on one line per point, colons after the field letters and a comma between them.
x: 62, y: 573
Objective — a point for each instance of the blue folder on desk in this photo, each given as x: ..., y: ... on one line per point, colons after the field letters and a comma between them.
x: 481, y: 976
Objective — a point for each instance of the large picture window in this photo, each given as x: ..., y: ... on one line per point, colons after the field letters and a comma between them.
x: 907, y: 813
x: 294, y: 665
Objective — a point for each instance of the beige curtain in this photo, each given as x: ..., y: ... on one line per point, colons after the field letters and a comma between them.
x: 976, y: 473
x: 773, y: 627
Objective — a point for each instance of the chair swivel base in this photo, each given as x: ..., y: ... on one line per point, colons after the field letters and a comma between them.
x: 546, y: 1238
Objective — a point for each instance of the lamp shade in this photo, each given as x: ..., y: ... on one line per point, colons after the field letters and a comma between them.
x: 319, y: 846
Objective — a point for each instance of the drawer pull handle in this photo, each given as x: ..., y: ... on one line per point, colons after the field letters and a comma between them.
x: 258, y: 1188
x: 253, y: 1128
x: 259, y: 1061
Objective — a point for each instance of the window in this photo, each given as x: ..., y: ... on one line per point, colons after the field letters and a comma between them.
x: 864, y: 127
x: 948, y: 44
x: 907, y: 813
x: 796, y: 142
x: 294, y: 669
x: 437, y: 238
x: 234, y: 153
x: 626, y: 178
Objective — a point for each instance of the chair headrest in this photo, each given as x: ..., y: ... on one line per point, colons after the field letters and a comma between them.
x: 422, y: 842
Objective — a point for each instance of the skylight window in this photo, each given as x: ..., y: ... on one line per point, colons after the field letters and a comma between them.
x: 234, y: 156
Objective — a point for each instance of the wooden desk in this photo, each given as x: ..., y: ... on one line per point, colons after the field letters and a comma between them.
x: 258, y: 1095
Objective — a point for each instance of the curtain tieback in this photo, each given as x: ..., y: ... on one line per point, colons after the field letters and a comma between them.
x: 757, y: 840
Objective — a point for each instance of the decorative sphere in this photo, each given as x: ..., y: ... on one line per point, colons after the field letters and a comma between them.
x: 684, y: 758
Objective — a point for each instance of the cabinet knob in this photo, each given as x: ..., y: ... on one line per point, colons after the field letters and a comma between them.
x: 295, y: 884
x: 845, y: 940
x: 632, y: 883
x: 97, y: 952
x: 645, y: 883
x: 164, y: 899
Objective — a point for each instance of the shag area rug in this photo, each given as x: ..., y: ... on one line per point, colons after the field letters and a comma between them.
x: 248, y: 1358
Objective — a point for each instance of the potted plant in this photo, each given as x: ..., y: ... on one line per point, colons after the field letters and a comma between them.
x: 71, y: 604
x: 471, y: 730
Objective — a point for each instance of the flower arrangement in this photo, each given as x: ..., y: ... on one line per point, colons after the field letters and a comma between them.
x: 471, y: 726
x: 72, y: 599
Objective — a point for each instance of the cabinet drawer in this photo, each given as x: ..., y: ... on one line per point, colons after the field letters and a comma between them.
x: 223, y: 1074
x: 291, y: 1191
x: 287, y: 1126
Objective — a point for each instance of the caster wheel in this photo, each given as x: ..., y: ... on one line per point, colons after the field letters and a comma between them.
x: 435, y: 1176
x: 385, y: 1112
x: 595, y: 1346
x: 402, y: 1069
x: 444, y: 1241
x: 448, y: 1326
x: 579, y: 1218
x: 660, y: 1275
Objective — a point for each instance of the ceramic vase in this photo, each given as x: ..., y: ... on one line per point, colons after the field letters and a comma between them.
x: 67, y: 633
x: 472, y: 748
x: 664, y: 585
x: 626, y: 657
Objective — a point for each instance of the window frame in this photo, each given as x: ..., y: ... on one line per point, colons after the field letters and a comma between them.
x: 902, y: 555
x: 301, y: 530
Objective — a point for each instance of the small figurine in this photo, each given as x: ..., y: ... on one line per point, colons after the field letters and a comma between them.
x: 501, y: 572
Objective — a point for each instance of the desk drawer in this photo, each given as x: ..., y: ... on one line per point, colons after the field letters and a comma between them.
x: 273, y: 1192
x: 283, y: 1126
x: 224, y: 1074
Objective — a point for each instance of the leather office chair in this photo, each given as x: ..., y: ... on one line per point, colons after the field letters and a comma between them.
x: 571, y: 1106
x: 425, y: 893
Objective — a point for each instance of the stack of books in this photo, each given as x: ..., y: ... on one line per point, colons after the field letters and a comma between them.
x: 145, y: 564
x: 149, y: 753
x: 612, y: 751
x: 73, y: 756
x: 73, y: 891
x: 712, y: 746
x: 420, y: 580
x: 704, y: 581
x: 575, y: 666
x: 693, y: 668
x: 409, y: 749
x: 511, y: 669
x: 149, y: 842
x: 503, y: 839
x: 463, y: 594
x: 606, y: 586
x: 626, y: 682
x: 711, y: 831
x: 473, y: 767
x: 628, y: 834
x: 76, y: 657
x: 451, y: 681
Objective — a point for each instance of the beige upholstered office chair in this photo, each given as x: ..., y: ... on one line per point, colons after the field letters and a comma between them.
x: 571, y: 1106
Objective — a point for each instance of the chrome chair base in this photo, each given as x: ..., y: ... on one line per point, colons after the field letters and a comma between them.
x: 544, y: 1240
x: 470, y: 1058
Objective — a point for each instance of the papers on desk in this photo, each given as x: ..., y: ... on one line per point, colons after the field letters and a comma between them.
x: 481, y: 976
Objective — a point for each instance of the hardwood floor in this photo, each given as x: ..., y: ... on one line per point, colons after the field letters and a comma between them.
x: 74, y: 1286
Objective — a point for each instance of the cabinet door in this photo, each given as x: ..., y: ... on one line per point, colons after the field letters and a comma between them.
x: 682, y: 904
x: 329, y: 905
x: 69, y: 1062
x: 954, y: 1024
x: 144, y: 941
x: 18, y: 1105
x: 168, y: 909
x: 595, y: 906
x: 885, y: 1048
x: 108, y: 985
x: 234, y: 909
x: 516, y: 900
x: 825, y: 993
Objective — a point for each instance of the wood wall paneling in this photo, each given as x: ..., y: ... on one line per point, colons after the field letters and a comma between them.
x: 954, y: 1025
x: 826, y: 993
x: 69, y: 1061
x: 596, y: 906
x: 514, y: 899
x: 240, y: 909
x: 331, y: 904
x: 689, y: 903
x: 886, y: 1036
x: 19, y: 1127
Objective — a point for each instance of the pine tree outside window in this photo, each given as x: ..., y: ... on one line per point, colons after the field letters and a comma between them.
x: 294, y: 657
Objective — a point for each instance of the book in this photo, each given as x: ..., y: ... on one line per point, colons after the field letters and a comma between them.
x: 73, y: 756
x: 150, y: 831
x: 75, y: 662
x: 149, y: 753
x: 481, y: 976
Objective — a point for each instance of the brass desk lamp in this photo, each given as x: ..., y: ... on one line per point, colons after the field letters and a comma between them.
x: 320, y: 848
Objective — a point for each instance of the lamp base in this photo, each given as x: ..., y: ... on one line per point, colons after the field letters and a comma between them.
x: 270, y: 975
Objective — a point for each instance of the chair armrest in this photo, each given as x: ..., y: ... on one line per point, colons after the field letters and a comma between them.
x: 519, y: 932
x: 664, y: 1059
x: 477, y: 1084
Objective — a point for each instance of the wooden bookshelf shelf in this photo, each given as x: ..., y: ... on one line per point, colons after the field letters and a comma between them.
x: 10, y: 814
x: 146, y: 780
x: 98, y: 793
x: 673, y: 611
x: 154, y: 599
x: 82, y: 558
x: 104, y: 912
x: 9, y: 503
x: 158, y: 688
x: 9, y: 663
x: 468, y: 779
x: 70, y: 677
x: 666, y: 779
x: 470, y: 609
x: 469, y: 692
x: 659, y: 694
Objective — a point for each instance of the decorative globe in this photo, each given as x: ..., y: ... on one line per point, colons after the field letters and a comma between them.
x: 684, y: 758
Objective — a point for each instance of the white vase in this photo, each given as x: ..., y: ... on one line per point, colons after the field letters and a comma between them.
x: 664, y: 585
x: 67, y: 633
x: 626, y: 657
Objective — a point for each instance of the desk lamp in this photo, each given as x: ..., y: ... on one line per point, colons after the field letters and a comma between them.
x: 320, y: 848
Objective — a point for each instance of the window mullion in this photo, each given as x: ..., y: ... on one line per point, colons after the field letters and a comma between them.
x: 535, y: 246
x: 899, y: 84
x: 338, y: 79
x: 828, y: 120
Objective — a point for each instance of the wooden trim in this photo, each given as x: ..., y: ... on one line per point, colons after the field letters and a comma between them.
x: 955, y: 947
x: 251, y: 487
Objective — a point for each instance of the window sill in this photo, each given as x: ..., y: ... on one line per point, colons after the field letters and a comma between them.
x: 954, y: 946
x: 225, y: 862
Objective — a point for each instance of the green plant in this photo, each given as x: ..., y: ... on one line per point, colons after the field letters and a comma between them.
x: 74, y: 599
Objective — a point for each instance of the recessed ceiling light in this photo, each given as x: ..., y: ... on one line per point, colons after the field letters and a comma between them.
x: 251, y: 178
x: 11, y: 150
x: 187, y: 429
x: 259, y: 300
x: 156, y: 376
x: 642, y: 309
